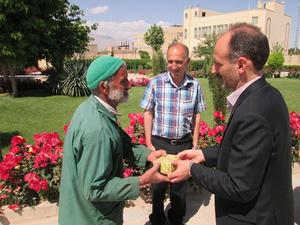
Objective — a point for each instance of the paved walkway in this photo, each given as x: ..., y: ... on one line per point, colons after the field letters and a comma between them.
x: 200, y: 209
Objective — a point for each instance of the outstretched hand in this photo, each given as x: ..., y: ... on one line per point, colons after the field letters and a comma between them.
x: 182, y: 171
x: 152, y: 176
x: 155, y: 155
x: 195, y: 156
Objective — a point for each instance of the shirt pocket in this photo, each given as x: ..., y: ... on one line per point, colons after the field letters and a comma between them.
x: 187, y: 104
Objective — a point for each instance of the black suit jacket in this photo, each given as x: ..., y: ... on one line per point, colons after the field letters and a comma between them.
x: 252, y: 180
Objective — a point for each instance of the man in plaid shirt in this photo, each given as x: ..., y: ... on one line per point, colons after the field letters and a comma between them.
x: 172, y: 101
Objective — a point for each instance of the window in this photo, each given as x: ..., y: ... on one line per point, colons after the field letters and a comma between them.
x: 195, y: 32
x: 195, y: 13
x: 185, y: 33
x: 254, y: 20
x: 203, y: 14
x: 186, y: 15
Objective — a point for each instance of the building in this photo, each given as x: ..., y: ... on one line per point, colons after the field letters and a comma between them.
x: 171, y: 34
x: 269, y: 16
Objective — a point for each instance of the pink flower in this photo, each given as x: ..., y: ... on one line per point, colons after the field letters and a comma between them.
x: 203, y: 128
x: 127, y: 172
x: 17, y: 140
x: 220, y: 128
x: 219, y: 139
x: 142, y: 140
x: 44, y: 185
x: 219, y: 115
x: 66, y: 127
x: 212, y: 132
x: 14, y: 207
x: 15, y: 149
x: 3, y: 196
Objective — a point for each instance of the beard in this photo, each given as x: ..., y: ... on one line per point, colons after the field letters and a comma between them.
x: 116, y: 96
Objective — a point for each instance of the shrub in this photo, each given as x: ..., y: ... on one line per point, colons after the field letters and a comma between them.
x: 212, y: 135
x: 196, y: 65
x: 31, y: 173
x: 75, y: 84
x: 159, y: 63
x: 295, y: 135
x: 135, y: 64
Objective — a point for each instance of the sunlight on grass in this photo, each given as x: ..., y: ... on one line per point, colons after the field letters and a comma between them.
x: 37, y: 112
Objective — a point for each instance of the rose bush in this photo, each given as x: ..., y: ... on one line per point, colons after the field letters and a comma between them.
x: 30, y: 174
x: 295, y: 135
x: 139, y: 82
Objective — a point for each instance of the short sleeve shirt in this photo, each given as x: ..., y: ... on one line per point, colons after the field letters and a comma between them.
x: 173, y: 107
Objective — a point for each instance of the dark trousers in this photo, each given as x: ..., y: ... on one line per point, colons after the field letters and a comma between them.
x: 177, y: 190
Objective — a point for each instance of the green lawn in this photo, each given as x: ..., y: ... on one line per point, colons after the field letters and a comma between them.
x: 36, y: 112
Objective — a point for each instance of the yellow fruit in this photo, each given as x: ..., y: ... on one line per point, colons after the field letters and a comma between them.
x: 166, y: 166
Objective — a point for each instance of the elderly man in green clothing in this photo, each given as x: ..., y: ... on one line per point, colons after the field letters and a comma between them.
x: 93, y: 189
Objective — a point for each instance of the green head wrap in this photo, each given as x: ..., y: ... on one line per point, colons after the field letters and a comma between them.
x: 102, y: 68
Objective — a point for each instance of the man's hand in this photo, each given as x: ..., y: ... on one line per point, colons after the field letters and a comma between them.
x: 182, y: 171
x: 152, y: 176
x: 155, y: 155
x: 195, y: 156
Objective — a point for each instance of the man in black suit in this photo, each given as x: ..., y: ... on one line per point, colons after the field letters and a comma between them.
x: 252, y: 176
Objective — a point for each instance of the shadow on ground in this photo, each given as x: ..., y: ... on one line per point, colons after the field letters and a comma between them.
x: 6, y: 137
x: 35, y: 93
x: 195, y: 201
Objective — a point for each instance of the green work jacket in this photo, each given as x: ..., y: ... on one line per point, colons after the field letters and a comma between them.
x: 93, y: 189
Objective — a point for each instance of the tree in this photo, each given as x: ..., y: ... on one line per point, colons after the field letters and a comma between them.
x: 36, y: 29
x: 276, y: 58
x: 205, y: 50
x: 155, y: 38
x: 159, y: 63
x: 144, y: 55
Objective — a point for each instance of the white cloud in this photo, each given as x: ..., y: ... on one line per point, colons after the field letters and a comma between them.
x: 112, y: 33
x: 98, y: 10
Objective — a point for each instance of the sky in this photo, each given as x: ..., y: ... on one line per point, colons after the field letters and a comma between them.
x: 119, y: 20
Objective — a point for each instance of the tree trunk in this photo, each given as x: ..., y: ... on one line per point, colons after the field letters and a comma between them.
x: 9, y: 75
x: 15, y: 92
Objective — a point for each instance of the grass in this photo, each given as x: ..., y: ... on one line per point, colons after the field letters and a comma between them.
x: 36, y: 112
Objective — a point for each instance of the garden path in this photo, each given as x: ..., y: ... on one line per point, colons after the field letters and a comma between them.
x: 200, y: 208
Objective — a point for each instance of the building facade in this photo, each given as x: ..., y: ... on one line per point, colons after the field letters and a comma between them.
x: 171, y: 34
x: 269, y: 16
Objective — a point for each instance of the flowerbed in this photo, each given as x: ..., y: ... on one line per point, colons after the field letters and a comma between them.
x: 30, y: 174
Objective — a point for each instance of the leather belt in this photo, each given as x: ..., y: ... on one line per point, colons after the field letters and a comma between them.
x: 185, y: 139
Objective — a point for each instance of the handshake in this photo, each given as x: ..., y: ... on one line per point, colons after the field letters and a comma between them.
x: 170, y: 168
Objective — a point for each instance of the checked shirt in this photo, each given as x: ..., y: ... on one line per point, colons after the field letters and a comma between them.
x: 173, y: 107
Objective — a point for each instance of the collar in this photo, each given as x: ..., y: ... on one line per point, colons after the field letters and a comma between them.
x: 233, y: 97
x: 187, y: 79
x: 107, y: 106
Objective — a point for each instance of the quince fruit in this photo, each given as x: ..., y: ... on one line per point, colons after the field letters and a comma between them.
x: 166, y: 166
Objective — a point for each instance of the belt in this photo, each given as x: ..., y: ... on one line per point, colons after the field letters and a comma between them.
x: 185, y: 139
